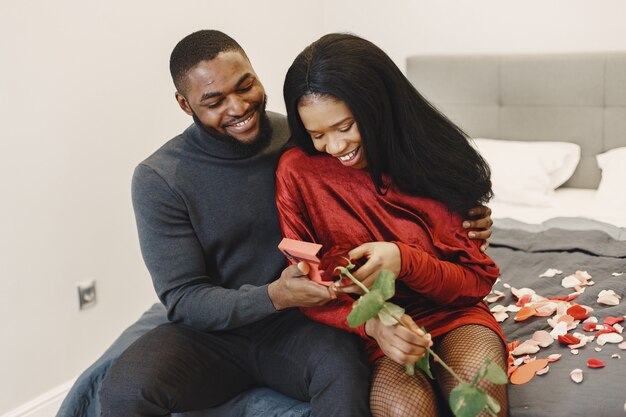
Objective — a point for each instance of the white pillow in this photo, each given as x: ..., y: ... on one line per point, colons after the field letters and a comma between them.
x: 528, y: 172
x: 610, y: 199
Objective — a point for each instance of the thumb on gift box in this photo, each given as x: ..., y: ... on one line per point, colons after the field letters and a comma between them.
x: 304, y: 267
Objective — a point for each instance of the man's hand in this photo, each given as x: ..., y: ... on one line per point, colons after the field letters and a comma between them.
x: 400, y: 344
x: 295, y: 289
x: 479, y: 224
x: 380, y: 255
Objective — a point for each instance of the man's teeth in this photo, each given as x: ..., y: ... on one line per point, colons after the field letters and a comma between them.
x: 348, y: 156
x: 243, y: 122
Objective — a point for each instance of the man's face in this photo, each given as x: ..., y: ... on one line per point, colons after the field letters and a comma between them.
x: 225, y: 96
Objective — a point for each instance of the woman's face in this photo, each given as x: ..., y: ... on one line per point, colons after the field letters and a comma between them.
x: 332, y: 128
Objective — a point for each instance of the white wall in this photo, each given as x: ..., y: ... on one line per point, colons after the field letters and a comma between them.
x: 482, y: 26
x: 85, y: 95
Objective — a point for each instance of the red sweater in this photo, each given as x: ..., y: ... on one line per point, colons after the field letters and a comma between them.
x: 444, y: 275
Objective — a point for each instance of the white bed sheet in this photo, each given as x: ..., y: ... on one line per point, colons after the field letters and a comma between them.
x: 566, y: 202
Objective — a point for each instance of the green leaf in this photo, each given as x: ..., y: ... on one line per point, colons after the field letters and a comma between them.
x: 424, y: 364
x: 389, y: 313
x: 494, y: 373
x: 467, y: 400
x: 492, y: 405
x: 481, y: 372
x: 409, y: 369
x: 366, y: 307
x: 385, y: 283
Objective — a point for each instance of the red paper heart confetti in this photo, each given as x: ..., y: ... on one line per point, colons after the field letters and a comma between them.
x: 527, y: 298
x: 610, y: 320
x: 595, y: 363
x: 589, y: 327
x: 568, y: 339
x: 578, y: 312
x: 524, y: 313
x: 606, y: 329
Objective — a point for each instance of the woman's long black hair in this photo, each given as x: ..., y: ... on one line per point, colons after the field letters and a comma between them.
x: 403, y: 135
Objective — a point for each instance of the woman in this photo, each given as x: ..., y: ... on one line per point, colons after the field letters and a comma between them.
x: 382, y: 176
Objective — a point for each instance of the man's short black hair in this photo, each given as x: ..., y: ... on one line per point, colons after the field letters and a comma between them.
x: 202, y: 45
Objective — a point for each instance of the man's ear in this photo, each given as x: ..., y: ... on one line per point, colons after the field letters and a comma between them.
x: 183, y: 103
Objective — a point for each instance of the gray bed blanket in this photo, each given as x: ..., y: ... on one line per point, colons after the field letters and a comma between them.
x: 522, y: 257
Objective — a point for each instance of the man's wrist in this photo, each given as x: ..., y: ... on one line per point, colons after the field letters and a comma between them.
x: 273, y: 292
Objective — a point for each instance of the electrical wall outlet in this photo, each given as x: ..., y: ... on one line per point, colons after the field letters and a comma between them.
x: 86, y: 294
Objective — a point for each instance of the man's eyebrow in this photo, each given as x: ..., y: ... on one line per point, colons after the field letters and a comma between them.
x: 207, y: 96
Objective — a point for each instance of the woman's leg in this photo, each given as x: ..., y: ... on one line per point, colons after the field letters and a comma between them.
x: 465, y: 349
x: 396, y: 394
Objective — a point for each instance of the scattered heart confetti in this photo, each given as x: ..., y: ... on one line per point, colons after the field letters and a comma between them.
x: 595, y: 363
x: 579, y: 278
x: 542, y: 338
x: 566, y: 318
x: 559, y: 330
x: 570, y: 281
x: 525, y: 348
x: 550, y: 272
x: 605, y: 330
x: 610, y: 320
x: 526, y: 372
x: 521, y: 292
x: 563, y: 315
x: 521, y: 360
x: 568, y: 339
x: 545, y: 309
x: 608, y: 297
x: 589, y: 327
x: 609, y: 338
x: 525, y: 313
x: 498, y: 295
x: 578, y: 312
x: 577, y: 375
x: 500, y: 316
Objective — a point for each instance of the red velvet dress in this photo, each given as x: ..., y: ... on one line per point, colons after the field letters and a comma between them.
x: 443, y: 276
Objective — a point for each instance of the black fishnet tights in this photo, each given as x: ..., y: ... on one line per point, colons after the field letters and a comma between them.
x: 464, y: 349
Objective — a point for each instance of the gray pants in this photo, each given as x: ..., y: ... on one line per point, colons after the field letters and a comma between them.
x: 174, y: 368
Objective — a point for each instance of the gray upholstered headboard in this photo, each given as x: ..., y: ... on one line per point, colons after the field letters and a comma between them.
x: 577, y: 98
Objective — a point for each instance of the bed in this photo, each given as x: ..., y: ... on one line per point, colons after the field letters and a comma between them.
x: 553, y: 129
x: 562, y: 212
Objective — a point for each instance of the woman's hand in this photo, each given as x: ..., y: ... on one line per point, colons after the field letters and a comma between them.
x: 400, y: 344
x: 380, y: 255
x: 479, y: 224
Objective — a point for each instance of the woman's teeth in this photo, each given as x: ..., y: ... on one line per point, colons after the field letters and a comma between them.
x: 348, y: 156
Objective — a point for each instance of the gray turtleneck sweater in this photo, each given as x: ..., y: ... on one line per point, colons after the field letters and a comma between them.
x: 208, y: 227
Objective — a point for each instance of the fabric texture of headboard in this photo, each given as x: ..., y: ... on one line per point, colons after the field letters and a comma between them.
x: 578, y: 98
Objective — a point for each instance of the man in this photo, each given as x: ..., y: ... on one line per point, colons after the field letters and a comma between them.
x: 208, y: 228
